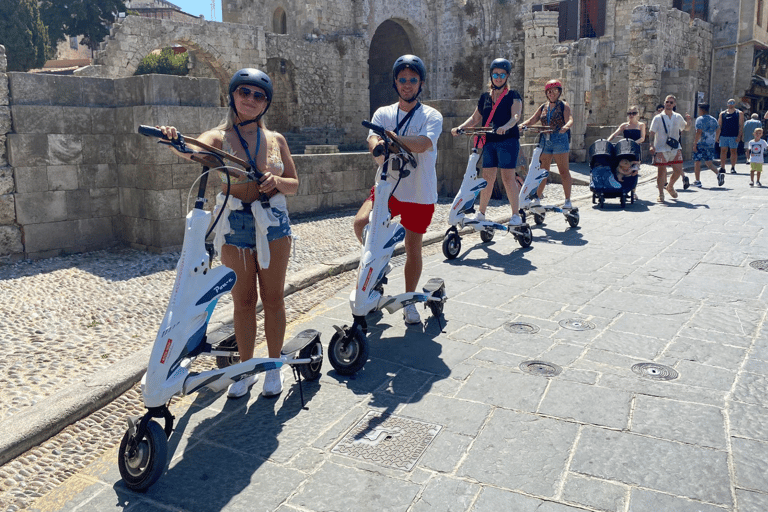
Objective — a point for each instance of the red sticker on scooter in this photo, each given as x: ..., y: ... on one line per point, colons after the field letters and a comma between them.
x: 458, y: 204
x: 167, y: 349
x: 367, y: 278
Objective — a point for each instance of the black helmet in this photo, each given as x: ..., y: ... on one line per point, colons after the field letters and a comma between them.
x: 501, y: 64
x: 251, y: 76
x: 409, y: 61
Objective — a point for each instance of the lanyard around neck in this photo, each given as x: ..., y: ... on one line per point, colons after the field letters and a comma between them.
x: 407, y: 117
x: 251, y: 159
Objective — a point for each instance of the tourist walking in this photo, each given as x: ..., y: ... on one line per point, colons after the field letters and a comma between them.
x: 418, y: 126
x: 554, y: 114
x: 730, y: 132
x: 665, y: 132
x: 254, y: 241
x: 500, y: 108
x: 633, y: 129
x: 756, y: 156
x: 704, y: 145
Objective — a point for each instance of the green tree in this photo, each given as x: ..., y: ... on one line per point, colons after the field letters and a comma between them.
x: 23, y: 34
x: 87, y: 18
x: 165, y: 63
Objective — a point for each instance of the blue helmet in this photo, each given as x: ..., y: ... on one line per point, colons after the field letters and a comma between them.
x: 255, y: 77
x: 409, y: 62
x: 501, y: 64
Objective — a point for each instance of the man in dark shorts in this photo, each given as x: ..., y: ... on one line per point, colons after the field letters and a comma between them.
x: 730, y: 132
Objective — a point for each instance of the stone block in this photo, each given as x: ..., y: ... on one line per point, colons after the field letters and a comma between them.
x: 10, y: 240
x: 303, y: 204
x: 65, y: 149
x: 167, y: 235
x: 62, y: 177
x: 49, y: 236
x: 6, y: 180
x: 209, y: 92
x: 95, y: 233
x: 4, y: 89
x: 27, y: 150
x: 97, y: 92
x: 97, y: 176
x: 5, y: 120
x: 163, y: 204
x: 155, y: 177
x: 31, y: 179
x: 126, y: 175
x: 134, y: 230
x: 78, y: 204
x: 41, y: 207
x: 128, y: 148
x: 124, y: 121
x: 103, y: 121
x: 133, y: 202
x: 3, y: 154
x: 98, y: 149
x: 184, y: 175
x: 7, y: 209
x: 51, y: 119
x: 105, y: 202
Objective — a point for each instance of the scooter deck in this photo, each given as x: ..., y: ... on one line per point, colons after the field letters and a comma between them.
x: 300, y: 341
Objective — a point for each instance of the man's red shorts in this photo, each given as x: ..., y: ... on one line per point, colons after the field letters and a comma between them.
x: 413, y: 216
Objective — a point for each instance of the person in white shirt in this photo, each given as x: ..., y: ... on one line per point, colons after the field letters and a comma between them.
x: 757, y: 147
x: 664, y: 135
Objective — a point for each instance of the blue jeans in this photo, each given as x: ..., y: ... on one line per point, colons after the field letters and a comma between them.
x: 501, y: 154
x: 555, y: 143
x: 243, y: 227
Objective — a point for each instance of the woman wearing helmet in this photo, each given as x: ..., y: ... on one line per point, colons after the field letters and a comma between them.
x: 252, y: 240
x: 500, y: 107
x: 556, y: 115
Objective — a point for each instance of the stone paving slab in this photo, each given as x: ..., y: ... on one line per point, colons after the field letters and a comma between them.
x: 597, y: 438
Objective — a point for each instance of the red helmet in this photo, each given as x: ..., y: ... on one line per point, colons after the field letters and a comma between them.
x: 553, y: 83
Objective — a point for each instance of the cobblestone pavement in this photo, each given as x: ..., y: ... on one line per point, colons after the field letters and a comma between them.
x: 84, y: 312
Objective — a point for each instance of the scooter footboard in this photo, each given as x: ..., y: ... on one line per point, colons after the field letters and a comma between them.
x: 394, y: 302
x: 217, y: 380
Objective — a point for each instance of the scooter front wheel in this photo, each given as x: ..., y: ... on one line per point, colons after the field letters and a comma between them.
x: 142, y: 463
x: 573, y: 219
x: 229, y: 344
x: 538, y: 219
x: 348, y: 352
x: 311, y: 371
x: 451, y: 245
x: 525, y: 238
x: 486, y: 235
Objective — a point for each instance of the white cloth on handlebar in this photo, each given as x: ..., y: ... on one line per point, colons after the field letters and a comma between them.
x: 263, y: 218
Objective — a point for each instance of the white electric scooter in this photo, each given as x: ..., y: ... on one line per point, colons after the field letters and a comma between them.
x: 464, y: 203
x: 529, y: 198
x: 182, y: 337
x: 348, y: 348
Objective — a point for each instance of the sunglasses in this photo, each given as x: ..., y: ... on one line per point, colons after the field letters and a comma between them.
x: 669, y: 102
x: 244, y: 92
x: 499, y: 75
x: 731, y: 102
x: 412, y: 80
x: 631, y: 113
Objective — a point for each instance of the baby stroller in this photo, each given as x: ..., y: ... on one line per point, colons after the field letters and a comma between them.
x: 604, y: 159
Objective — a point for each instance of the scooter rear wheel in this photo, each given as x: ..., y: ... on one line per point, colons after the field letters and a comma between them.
x: 142, y: 463
x: 451, y: 245
x: 486, y: 235
x: 348, y: 352
x: 232, y: 359
x: 311, y: 371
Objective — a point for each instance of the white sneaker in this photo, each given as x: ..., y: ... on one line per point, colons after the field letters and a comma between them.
x: 515, y: 220
x: 536, y: 202
x: 478, y: 216
x: 567, y: 205
x: 240, y: 388
x: 410, y: 314
x: 273, y: 383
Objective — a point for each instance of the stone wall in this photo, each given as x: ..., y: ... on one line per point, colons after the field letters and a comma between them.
x: 10, y: 233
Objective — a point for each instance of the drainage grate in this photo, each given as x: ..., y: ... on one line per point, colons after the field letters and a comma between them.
x: 521, y: 328
x: 759, y: 264
x: 391, y: 441
x: 655, y: 371
x: 575, y: 324
x: 541, y: 368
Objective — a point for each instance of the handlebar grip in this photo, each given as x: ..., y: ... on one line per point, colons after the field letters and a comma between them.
x: 151, y: 131
x: 378, y: 150
x: 376, y: 128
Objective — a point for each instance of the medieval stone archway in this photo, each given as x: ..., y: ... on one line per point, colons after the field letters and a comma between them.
x: 392, y: 39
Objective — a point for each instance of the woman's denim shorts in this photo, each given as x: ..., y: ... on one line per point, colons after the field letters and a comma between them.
x: 555, y: 143
x: 243, y: 228
x: 501, y: 154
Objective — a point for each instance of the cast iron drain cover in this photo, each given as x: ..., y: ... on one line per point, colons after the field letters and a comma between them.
x: 655, y: 371
x: 391, y: 441
x: 541, y: 368
x: 521, y: 328
x: 575, y: 324
x: 759, y: 264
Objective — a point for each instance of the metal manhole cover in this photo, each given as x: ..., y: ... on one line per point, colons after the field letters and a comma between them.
x: 541, y: 368
x: 521, y: 328
x: 391, y: 441
x: 759, y: 264
x: 575, y: 324
x: 655, y: 371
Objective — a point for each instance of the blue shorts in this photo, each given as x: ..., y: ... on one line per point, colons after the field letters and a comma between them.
x: 555, y: 143
x: 243, y: 228
x: 501, y: 154
x: 704, y: 153
x: 728, y: 142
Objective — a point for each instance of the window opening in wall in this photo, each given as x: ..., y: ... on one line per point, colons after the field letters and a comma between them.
x: 73, y: 42
x: 577, y: 18
x: 696, y: 8
x: 279, y: 21
x: 759, y: 13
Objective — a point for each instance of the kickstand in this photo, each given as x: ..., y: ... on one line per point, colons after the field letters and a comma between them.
x: 297, y: 376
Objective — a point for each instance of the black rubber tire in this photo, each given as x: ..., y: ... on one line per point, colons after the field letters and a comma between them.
x: 311, y: 371
x: 623, y: 201
x: 451, y: 245
x: 486, y: 235
x: 351, y: 360
x: 573, y: 219
x: 601, y: 201
x: 436, y: 308
x: 144, y: 464
x: 594, y: 198
x: 538, y: 219
x: 686, y: 182
x: 525, y: 238
x: 225, y: 361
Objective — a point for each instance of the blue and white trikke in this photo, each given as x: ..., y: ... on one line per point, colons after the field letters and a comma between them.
x: 348, y: 348
x: 464, y: 204
x: 182, y: 337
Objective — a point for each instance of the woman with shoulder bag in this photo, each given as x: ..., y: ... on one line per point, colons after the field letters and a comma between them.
x: 666, y: 130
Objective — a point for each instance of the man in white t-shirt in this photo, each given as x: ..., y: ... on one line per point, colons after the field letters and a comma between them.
x: 665, y: 126
x: 419, y: 127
